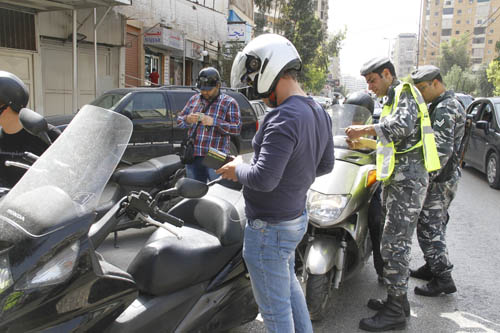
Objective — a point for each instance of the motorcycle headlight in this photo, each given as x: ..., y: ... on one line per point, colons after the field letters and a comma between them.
x: 56, y: 270
x: 324, y: 208
x: 5, y: 275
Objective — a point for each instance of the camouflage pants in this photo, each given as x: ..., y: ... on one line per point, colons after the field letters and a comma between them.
x: 403, y: 199
x: 431, y: 227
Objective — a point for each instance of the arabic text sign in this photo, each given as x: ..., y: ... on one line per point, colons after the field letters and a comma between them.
x: 236, y: 32
x: 162, y: 37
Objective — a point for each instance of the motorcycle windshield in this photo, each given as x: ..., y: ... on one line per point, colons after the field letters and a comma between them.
x: 344, y: 116
x: 67, y: 180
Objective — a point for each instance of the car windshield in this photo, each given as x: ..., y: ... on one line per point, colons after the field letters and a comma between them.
x: 346, y: 115
x: 67, y: 181
x: 497, y: 110
x: 108, y: 100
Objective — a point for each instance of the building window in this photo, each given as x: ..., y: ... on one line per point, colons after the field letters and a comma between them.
x: 436, y: 13
x: 490, y: 41
x: 478, y: 40
x: 479, y: 30
x: 433, y: 53
x: 437, y: 2
x: 471, y: 1
x: 476, y: 61
x: 434, y: 33
x: 460, y: 1
x: 448, y: 3
x: 446, y: 32
x: 458, y: 21
x: 457, y: 32
x: 447, y: 11
x: 479, y: 21
x: 459, y: 11
x: 467, y: 22
x: 17, y: 30
x: 483, y: 0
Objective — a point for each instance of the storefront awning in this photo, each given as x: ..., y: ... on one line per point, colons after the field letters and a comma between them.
x: 51, y: 5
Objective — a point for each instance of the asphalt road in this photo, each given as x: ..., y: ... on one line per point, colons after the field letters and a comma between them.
x: 474, y: 245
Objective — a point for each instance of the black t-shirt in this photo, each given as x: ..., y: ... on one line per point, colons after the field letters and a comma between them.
x: 13, y: 144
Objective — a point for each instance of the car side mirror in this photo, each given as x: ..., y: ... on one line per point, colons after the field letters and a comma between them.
x: 484, y: 125
x: 127, y: 114
x: 35, y: 124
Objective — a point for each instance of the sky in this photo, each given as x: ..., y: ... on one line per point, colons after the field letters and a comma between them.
x: 371, y: 25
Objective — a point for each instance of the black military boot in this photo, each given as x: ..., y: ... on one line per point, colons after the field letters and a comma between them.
x: 377, y: 304
x: 390, y: 317
x: 422, y: 273
x: 438, y: 285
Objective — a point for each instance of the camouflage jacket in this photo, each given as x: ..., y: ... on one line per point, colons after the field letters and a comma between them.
x: 448, y: 122
x: 402, y: 127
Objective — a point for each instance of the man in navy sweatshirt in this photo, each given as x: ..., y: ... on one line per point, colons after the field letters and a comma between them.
x: 292, y: 147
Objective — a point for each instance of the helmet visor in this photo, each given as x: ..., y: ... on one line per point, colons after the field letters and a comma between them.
x: 239, y: 77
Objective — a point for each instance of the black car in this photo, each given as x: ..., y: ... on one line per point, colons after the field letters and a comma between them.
x: 483, y: 149
x: 154, y: 112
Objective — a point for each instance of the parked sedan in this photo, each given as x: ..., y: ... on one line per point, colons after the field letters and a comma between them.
x: 483, y: 150
x: 154, y: 112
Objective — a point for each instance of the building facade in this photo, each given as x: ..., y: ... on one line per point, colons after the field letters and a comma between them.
x: 36, y: 44
x: 404, y: 54
x: 476, y: 20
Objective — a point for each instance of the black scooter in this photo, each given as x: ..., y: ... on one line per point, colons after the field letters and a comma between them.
x: 188, y: 279
x: 153, y: 175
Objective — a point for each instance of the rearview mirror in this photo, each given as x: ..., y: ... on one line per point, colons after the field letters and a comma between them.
x: 190, y: 188
x: 484, y: 125
x: 35, y: 124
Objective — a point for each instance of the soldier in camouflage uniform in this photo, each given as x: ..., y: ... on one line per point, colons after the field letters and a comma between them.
x: 404, y: 190
x: 448, y: 121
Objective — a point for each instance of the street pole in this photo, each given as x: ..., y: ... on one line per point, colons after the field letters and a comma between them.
x: 75, y: 64
x: 419, y: 28
x: 184, y: 61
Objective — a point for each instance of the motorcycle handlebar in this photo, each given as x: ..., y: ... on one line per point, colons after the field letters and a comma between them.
x: 162, y: 216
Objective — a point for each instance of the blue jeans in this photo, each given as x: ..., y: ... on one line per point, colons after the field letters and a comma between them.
x: 198, y: 171
x: 269, y: 252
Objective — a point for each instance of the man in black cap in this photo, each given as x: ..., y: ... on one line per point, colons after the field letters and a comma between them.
x: 406, y: 152
x: 212, y: 117
x: 448, y: 122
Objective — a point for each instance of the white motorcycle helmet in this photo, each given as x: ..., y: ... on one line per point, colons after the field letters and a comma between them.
x: 262, y: 62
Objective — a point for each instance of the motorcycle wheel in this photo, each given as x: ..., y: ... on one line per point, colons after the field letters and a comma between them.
x: 318, y: 291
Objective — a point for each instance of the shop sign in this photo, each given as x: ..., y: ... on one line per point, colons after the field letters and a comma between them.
x: 164, y: 38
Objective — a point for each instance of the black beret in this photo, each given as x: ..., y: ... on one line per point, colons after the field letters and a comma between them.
x: 372, y: 65
x: 425, y: 73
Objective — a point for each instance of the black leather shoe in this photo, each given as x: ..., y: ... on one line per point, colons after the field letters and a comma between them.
x: 422, y: 273
x: 377, y: 304
x: 390, y: 317
x: 437, y: 286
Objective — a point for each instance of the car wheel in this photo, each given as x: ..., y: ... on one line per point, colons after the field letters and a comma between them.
x: 493, y: 170
x: 233, y: 150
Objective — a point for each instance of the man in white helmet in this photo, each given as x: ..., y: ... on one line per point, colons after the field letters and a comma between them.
x: 293, y: 146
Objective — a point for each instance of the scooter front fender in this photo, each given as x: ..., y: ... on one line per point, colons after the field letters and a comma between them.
x: 320, y: 255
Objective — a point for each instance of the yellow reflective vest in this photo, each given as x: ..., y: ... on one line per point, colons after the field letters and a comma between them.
x: 386, y: 153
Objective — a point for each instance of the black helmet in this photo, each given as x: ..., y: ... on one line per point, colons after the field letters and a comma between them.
x: 361, y: 99
x: 13, y: 91
x: 208, y: 78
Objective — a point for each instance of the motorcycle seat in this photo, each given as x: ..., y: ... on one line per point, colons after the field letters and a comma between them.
x: 148, y: 173
x: 211, y: 236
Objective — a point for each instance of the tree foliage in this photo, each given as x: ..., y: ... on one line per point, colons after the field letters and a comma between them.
x: 454, y: 52
x: 315, y: 78
x: 483, y: 87
x: 493, y: 73
x: 460, y: 80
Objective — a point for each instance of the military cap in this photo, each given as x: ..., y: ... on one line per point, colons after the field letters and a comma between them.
x: 425, y: 73
x: 371, y: 65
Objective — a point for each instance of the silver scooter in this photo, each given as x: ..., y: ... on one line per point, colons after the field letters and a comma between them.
x: 337, y: 243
